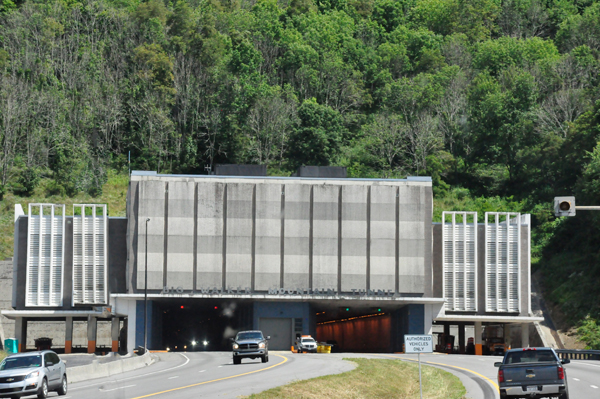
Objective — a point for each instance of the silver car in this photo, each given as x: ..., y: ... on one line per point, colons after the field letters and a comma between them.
x: 32, y: 373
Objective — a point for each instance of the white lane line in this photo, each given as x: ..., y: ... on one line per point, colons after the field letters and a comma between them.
x: 576, y: 379
x: 114, y: 389
x: 137, y: 376
x: 593, y: 386
x: 585, y: 364
x: 201, y: 371
x: 170, y: 378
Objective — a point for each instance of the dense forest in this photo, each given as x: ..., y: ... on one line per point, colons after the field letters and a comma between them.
x: 497, y: 100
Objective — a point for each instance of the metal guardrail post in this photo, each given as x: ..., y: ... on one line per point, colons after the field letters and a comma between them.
x: 578, y: 354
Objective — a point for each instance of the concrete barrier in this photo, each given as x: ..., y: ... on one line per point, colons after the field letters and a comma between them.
x: 97, y: 370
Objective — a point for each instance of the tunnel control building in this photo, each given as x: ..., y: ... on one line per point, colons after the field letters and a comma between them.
x: 356, y: 262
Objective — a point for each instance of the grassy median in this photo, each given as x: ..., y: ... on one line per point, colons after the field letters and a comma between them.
x: 374, y: 379
x: 2, y: 355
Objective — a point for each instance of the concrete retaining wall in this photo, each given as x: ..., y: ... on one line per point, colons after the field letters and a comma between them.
x: 7, y: 326
x: 97, y: 370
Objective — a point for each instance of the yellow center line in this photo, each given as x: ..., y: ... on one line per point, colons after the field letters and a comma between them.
x: 455, y: 367
x: 285, y: 359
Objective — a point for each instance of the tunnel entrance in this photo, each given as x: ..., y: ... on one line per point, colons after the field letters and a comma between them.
x: 361, y: 330
x: 202, y: 324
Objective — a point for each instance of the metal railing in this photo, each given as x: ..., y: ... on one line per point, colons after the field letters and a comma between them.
x: 578, y: 354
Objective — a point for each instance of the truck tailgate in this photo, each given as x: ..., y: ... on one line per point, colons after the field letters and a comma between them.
x: 531, y: 374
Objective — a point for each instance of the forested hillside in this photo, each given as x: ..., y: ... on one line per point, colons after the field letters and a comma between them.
x: 497, y: 100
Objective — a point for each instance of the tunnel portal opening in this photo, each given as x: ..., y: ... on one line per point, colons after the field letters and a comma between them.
x: 202, y: 325
x: 359, y: 330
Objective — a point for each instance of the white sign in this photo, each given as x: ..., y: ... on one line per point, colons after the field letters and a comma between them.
x: 418, y: 344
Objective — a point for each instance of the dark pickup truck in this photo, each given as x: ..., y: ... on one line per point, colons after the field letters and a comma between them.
x: 250, y: 345
x: 532, y: 373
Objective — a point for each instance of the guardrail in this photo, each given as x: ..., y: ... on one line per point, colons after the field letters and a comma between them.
x: 578, y: 354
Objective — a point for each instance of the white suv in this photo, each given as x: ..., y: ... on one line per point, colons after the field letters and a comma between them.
x: 306, y: 344
x: 32, y: 373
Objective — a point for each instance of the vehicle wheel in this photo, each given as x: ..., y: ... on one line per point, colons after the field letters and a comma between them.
x: 63, y: 386
x: 503, y: 395
x: 236, y: 360
x: 43, y: 392
x: 565, y: 395
x: 265, y: 358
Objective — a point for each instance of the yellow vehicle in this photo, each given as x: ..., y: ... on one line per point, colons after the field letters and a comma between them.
x: 493, y: 340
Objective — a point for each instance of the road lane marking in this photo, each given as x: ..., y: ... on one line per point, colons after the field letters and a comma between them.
x: 585, y: 364
x: 131, y: 378
x: 593, y: 386
x: 285, y: 359
x: 455, y: 367
x: 115, y: 389
x: 170, y: 378
x: 576, y: 379
x: 201, y: 371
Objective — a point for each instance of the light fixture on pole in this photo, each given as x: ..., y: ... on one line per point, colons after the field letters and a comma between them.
x: 146, y: 290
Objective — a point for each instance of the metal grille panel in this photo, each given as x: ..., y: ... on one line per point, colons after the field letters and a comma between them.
x: 45, y: 248
x: 502, y: 263
x: 90, y: 254
x: 459, y: 253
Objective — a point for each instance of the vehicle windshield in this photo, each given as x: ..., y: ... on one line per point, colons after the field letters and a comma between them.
x: 308, y: 340
x: 249, y: 335
x: 530, y: 356
x: 21, y: 362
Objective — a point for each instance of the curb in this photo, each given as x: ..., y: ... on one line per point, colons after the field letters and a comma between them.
x: 97, y: 370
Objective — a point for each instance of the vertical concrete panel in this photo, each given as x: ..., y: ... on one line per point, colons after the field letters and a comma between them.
x: 180, y: 256
x: 239, y: 235
x: 151, y: 205
x: 437, y: 262
x: 132, y: 236
x: 354, y: 237
x: 383, y: 237
x: 268, y: 236
x: 117, y: 255
x: 427, y: 198
x: 296, y: 241
x: 412, y: 248
x: 325, y: 232
x: 210, y: 234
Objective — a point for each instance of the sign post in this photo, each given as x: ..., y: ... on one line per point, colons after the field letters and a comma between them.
x: 418, y: 344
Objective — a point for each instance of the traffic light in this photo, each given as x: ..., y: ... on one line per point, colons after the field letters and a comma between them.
x: 564, y: 206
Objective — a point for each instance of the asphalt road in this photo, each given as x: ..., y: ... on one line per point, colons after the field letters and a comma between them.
x: 213, y: 375
x: 479, y: 376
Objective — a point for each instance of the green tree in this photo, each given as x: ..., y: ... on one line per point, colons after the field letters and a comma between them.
x: 319, y: 136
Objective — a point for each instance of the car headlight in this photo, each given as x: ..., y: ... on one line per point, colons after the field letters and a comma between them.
x: 261, y: 345
x: 235, y: 346
x: 33, y: 375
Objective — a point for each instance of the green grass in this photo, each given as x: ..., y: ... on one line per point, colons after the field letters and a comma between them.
x: 3, y: 355
x: 114, y: 194
x: 374, y: 379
